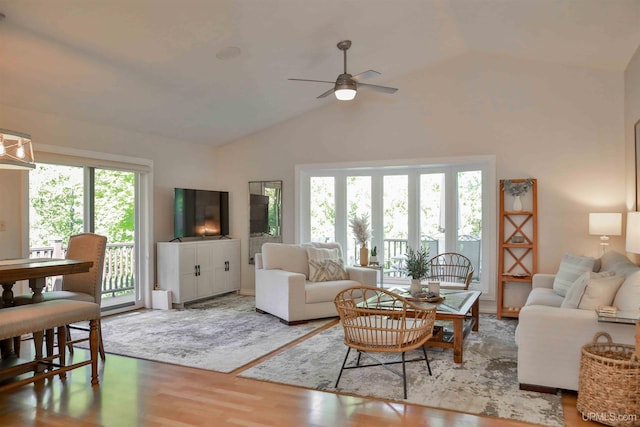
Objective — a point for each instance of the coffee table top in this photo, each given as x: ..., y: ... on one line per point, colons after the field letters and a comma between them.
x: 628, y: 317
x: 455, y: 302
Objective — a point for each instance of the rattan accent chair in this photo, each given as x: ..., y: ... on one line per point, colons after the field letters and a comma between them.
x: 452, y: 270
x: 379, y: 321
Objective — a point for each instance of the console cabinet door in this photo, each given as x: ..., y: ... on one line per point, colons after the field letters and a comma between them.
x: 188, y: 274
x: 227, y: 266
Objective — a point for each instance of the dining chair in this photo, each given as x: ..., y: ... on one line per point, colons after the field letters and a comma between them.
x: 376, y: 320
x: 80, y: 286
x: 451, y: 269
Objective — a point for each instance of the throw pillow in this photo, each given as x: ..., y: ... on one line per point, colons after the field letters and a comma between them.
x: 318, y: 254
x: 571, y: 267
x: 628, y: 296
x: 326, y: 270
x: 576, y: 291
x: 600, y: 292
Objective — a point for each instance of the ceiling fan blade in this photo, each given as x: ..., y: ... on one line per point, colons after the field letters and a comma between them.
x: 327, y: 93
x: 384, y: 89
x: 365, y: 75
x: 318, y: 81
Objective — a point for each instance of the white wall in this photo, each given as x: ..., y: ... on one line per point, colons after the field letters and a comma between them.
x: 560, y: 124
x: 176, y: 164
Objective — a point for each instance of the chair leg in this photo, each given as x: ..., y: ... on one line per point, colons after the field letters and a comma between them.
x: 93, y: 349
x: 427, y: 359
x: 17, y: 341
x: 69, y: 345
x: 49, y: 339
x: 343, y: 365
x: 62, y: 339
x: 100, y: 343
x: 404, y: 376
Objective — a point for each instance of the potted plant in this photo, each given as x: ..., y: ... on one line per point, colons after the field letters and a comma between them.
x: 360, y: 228
x: 373, y: 259
x: 517, y: 189
x: 417, y: 267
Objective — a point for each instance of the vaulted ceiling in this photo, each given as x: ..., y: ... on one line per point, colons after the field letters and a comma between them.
x: 170, y: 67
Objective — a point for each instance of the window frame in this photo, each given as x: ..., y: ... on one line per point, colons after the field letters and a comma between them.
x: 413, y: 168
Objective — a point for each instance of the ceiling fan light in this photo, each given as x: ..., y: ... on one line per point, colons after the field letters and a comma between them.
x: 345, y: 94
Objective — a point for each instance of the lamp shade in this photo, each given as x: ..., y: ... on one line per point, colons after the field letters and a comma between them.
x: 15, y: 150
x: 605, y: 224
x: 633, y: 232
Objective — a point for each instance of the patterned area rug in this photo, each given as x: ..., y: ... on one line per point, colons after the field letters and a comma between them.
x: 221, y: 334
x: 486, y: 383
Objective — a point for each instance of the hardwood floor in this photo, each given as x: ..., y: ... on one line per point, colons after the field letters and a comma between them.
x: 137, y: 392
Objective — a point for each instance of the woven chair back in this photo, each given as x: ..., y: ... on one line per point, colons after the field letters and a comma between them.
x: 451, y: 267
x: 378, y: 320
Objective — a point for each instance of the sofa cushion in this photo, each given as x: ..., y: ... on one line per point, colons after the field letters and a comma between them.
x: 618, y: 263
x: 325, y: 270
x: 600, y: 291
x: 316, y: 292
x: 628, y: 296
x: 285, y: 257
x: 544, y: 296
x: 576, y: 291
x: 571, y: 267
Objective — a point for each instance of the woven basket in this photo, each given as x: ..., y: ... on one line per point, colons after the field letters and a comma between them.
x: 609, y: 386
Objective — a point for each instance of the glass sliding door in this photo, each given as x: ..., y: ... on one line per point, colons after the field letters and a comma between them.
x: 66, y: 200
x: 114, y: 216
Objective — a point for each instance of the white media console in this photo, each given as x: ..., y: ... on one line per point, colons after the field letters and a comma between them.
x: 197, y: 270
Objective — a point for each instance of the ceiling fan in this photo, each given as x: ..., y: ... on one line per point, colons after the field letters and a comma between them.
x: 346, y: 85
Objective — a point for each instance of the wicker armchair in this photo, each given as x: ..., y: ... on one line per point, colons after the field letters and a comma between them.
x: 378, y: 321
x: 453, y: 270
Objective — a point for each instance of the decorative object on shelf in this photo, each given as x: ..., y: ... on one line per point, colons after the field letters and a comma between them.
x: 417, y: 267
x: 517, y: 189
x: 373, y: 259
x: 517, y: 239
x: 605, y: 225
x: 360, y: 228
x: 16, y: 151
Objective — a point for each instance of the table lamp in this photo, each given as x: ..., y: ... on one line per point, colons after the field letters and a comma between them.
x: 605, y: 225
x: 633, y: 232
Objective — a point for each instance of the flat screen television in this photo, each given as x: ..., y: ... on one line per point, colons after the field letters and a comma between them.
x: 200, y: 213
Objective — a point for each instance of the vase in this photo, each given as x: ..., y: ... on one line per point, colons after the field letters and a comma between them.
x: 373, y: 260
x: 517, y: 203
x: 364, y: 256
x: 415, y: 287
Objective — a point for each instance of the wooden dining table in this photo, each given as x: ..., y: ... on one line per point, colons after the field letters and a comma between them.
x: 36, y: 271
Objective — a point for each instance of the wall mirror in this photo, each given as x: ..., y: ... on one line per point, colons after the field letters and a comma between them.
x: 265, y: 215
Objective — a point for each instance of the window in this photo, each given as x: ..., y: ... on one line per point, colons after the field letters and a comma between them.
x: 445, y: 207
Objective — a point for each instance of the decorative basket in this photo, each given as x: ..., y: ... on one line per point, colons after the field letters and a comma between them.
x: 609, y: 383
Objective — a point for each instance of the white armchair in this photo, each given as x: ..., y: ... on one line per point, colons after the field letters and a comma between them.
x: 284, y: 290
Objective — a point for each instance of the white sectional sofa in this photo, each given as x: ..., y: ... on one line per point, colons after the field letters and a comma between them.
x: 550, y: 337
x: 284, y: 288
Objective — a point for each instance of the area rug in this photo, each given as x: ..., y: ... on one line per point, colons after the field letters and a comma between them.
x: 221, y: 334
x: 486, y: 383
